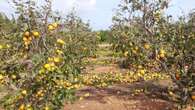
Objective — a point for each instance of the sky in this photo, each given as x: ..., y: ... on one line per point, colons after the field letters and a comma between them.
x: 100, y: 12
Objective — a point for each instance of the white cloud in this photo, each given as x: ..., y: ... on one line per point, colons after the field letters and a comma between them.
x: 5, y: 8
x: 80, y: 5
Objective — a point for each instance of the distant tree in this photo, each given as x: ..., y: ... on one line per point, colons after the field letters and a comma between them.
x: 104, y: 35
x: 6, y: 24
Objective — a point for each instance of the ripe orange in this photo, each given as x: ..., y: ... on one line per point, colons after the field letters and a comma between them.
x: 24, y: 92
x: 177, y: 76
x: 136, y: 48
x: 46, y: 108
x: 126, y: 53
x: 27, y: 34
x: 27, y: 43
x: 1, y: 77
x: 25, y: 39
x: 13, y: 76
x: 162, y: 55
x: 55, y: 25
x: 162, y: 51
x: 22, y: 107
x: 57, y: 59
x: 51, y: 27
x: 146, y: 46
x: 60, y: 41
x: 193, y: 97
x: 35, y: 34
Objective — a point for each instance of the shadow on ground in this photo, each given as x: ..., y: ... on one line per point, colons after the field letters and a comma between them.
x: 123, y: 97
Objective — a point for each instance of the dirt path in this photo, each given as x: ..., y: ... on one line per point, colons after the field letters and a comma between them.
x: 119, y: 97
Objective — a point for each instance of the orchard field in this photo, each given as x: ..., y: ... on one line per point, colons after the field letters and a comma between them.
x: 144, y: 61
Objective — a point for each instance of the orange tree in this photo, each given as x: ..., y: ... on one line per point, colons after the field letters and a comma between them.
x: 136, y: 31
x: 180, y: 63
x: 148, y: 38
x: 79, y: 33
x: 41, y: 58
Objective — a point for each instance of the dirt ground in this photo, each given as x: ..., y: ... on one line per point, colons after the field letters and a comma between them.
x: 120, y: 97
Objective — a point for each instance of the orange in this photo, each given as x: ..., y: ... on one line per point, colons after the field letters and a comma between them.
x: 22, y: 107
x: 25, y: 39
x: 57, y: 59
x: 13, y: 76
x: 51, y: 27
x: 55, y: 25
x: 27, y: 34
x: 126, y: 53
x: 162, y: 55
x: 24, y: 92
x: 177, y: 76
x: 60, y: 41
x: 35, y: 34
x: 146, y: 46
x: 193, y: 97
x: 162, y: 51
